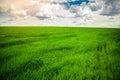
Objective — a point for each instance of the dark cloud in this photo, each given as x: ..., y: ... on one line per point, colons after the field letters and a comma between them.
x: 107, y: 7
x: 94, y: 6
x: 2, y: 14
x: 111, y: 7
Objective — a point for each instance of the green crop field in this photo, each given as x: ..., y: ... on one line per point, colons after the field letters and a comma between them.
x: 59, y: 53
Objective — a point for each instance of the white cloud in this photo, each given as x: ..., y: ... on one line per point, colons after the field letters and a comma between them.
x: 59, y: 1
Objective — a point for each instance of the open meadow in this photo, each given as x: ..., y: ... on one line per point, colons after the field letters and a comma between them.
x: 59, y: 53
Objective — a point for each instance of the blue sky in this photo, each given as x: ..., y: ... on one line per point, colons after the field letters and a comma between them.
x: 68, y: 4
x: 76, y: 2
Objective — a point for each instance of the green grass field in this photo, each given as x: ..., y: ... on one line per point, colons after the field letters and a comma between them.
x: 51, y: 53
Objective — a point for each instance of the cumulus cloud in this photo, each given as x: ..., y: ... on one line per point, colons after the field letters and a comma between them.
x: 24, y: 8
x: 83, y: 12
x: 39, y: 8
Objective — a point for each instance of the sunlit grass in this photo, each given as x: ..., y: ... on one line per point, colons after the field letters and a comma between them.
x: 51, y: 53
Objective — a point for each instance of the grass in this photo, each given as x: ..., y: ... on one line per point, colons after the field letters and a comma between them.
x: 51, y: 53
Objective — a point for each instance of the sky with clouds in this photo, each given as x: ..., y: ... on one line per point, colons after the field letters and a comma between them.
x: 91, y: 13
